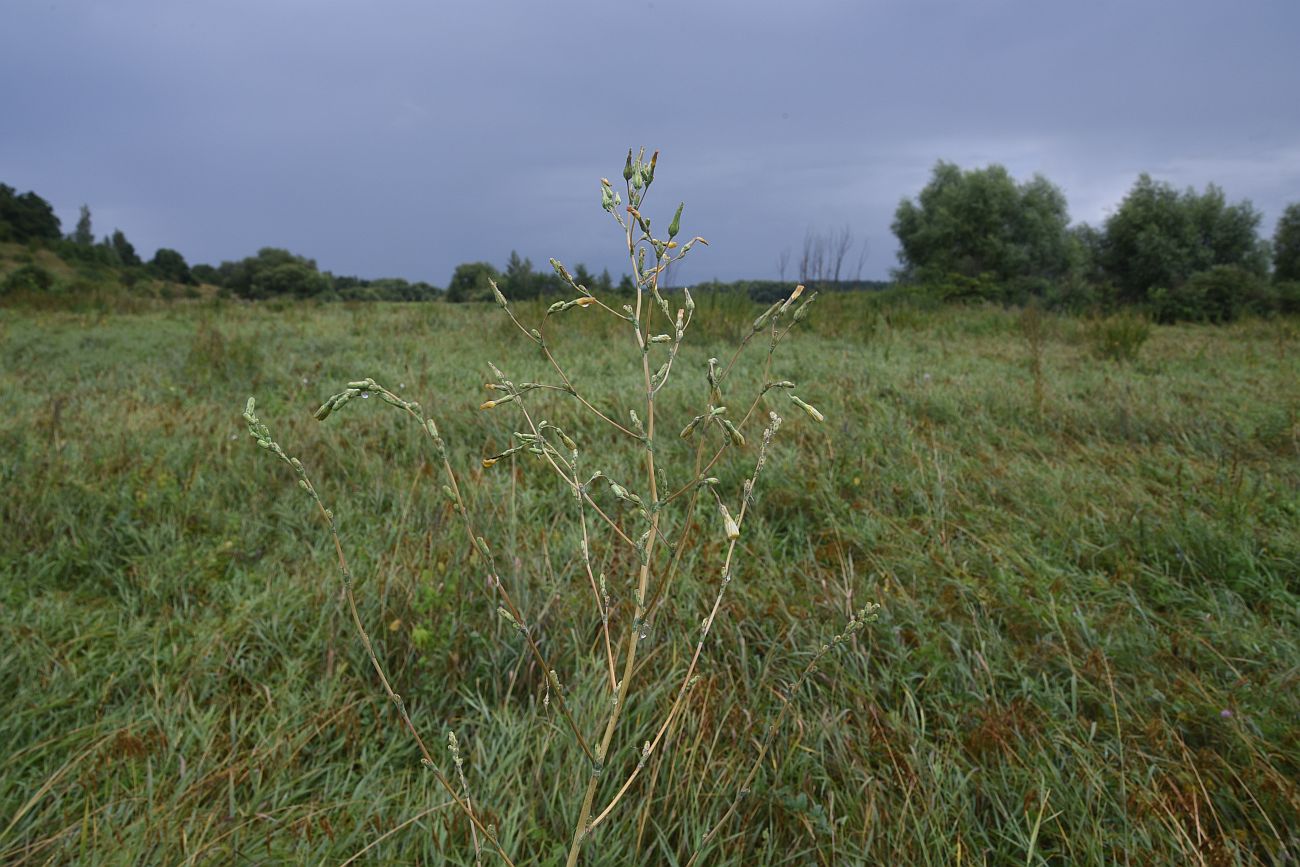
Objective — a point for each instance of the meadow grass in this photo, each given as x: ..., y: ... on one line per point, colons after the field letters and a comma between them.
x: 1088, y: 650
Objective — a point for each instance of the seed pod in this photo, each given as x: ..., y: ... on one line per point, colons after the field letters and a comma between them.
x: 812, y: 411
x: 324, y: 412
x: 691, y: 426
x: 767, y: 314
x: 675, y: 226
x: 737, y: 438
x: 802, y: 310
x: 501, y: 299
x: 627, y: 167
x: 729, y: 523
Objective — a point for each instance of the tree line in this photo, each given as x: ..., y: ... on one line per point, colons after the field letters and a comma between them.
x: 1178, y: 254
x: 970, y: 234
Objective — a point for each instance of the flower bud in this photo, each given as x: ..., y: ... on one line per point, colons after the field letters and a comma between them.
x: 812, y: 411
x: 729, y: 523
x: 675, y: 226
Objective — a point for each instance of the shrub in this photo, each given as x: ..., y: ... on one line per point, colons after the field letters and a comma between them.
x: 1229, y: 292
x: 639, y: 495
x: 27, y: 279
x: 1119, y: 337
x: 1288, y: 296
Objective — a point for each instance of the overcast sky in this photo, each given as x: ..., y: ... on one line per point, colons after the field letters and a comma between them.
x: 387, y: 138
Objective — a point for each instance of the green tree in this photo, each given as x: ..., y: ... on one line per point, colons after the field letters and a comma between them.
x: 981, y: 226
x: 1286, y: 245
x: 582, y: 276
x: 1159, y: 237
x: 519, y: 280
x: 246, y: 279
x: 26, y: 217
x: 470, y: 282
x: 83, y: 235
x: 170, y: 265
x: 290, y: 278
x: 123, y: 248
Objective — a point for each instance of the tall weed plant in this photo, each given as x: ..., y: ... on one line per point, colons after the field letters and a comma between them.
x: 643, y: 511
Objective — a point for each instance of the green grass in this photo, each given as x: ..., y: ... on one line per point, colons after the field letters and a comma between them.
x: 1088, y: 651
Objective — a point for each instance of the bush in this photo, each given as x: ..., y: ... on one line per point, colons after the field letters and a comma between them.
x: 1119, y: 337
x: 27, y: 279
x: 1287, y: 294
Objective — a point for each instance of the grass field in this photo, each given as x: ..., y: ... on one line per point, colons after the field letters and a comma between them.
x: 1088, y: 650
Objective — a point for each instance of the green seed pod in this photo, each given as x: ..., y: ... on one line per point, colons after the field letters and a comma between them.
x: 675, y: 226
x: 324, y: 412
x: 690, y: 427
x: 501, y: 299
x: 737, y: 439
x: 762, y: 320
x: 627, y: 167
x: 812, y: 411
x: 250, y: 406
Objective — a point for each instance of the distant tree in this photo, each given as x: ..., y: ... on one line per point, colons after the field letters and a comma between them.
x: 1159, y: 237
x: 470, y: 282
x: 519, y: 280
x: 582, y: 276
x: 170, y: 265
x: 981, y: 226
x: 122, y: 247
x: 1286, y: 245
x: 26, y: 217
x: 626, y: 284
x: 83, y: 235
x: 289, y: 278
x: 604, y: 283
x: 824, y: 256
x: 248, y: 278
x: 204, y: 273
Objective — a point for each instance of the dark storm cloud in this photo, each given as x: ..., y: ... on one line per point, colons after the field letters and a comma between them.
x: 399, y: 138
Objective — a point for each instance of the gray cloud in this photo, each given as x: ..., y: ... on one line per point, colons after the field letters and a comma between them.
x: 399, y: 138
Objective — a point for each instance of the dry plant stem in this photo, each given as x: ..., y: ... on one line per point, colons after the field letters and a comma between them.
x: 393, y: 696
x: 495, y: 580
x: 762, y: 754
x: 494, y: 577
x: 695, y: 658
x: 643, y: 578
x: 568, y: 386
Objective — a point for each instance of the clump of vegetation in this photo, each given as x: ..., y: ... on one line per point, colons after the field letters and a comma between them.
x: 1118, y: 337
x: 639, y: 492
